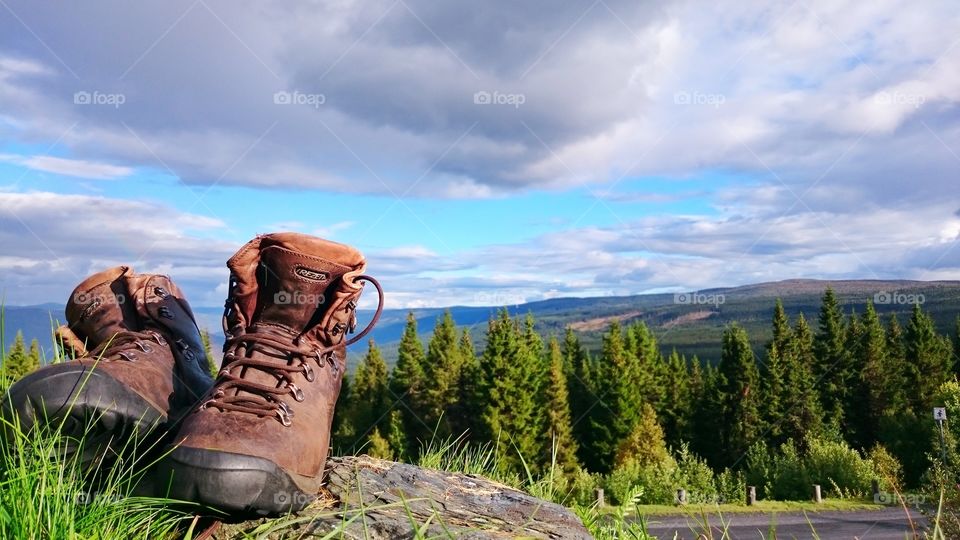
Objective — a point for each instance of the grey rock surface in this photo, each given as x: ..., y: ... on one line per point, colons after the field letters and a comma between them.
x: 374, y: 499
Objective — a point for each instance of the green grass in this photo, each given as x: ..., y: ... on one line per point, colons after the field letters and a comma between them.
x: 47, y: 491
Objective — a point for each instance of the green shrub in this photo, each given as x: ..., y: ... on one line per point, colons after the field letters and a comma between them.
x: 839, y: 466
x: 694, y: 475
x: 886, y: 468
x: 583, y: 487
x: 789, y: 474
x: 731, y: 487
x: 622, y: 485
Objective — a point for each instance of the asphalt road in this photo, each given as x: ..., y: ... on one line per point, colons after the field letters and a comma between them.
x: 888, y: 524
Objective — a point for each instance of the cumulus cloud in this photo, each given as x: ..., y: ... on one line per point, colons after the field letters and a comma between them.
x: 688, y: 252
x: 52, y: 241
x: 69, y: 167
x: 843, y: 115
x: 380, y: 97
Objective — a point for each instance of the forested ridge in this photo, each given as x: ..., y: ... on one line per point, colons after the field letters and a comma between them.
x: 853, y: 385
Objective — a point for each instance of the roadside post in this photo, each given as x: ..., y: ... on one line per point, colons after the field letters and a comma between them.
x: 940, y: 414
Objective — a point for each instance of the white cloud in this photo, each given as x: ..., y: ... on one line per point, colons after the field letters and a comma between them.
x: 843, y: 115
x: 798, y: 84
x: 52, y: 241
x: 69, y: 167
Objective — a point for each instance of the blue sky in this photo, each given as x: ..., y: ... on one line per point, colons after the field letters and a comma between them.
x: 482, y: 154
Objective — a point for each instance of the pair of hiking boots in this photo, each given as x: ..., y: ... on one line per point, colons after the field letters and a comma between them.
x: 256, y: 438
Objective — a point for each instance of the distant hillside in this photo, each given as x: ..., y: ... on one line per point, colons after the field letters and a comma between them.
x: 691, y: 323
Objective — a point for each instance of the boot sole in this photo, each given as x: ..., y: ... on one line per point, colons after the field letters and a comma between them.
x: 231, y: 482
x: 86, y: 405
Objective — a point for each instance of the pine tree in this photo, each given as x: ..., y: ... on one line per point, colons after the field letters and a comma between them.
x: 377, y: 446
x: 677, y: 405
x: 738, y: 381
x: 34, y: 355
x: 462, y: 412
x: 396, y: 436
x: 531, y: 338
x: 560, y: 441
x: 956, y: 347
x: 508, y: 391
x: 894, y: 368
x: 617, y: 379
x: 650, y: 369
x: 406, y: 383
x: 879, y: 384
x: 212, y: 366
x: 576, y: 365
x: 803, y: 416
x: 901, y: 430
x: 442, y: 373
x: 466, y: 348
x: 707, y: 417
x: 343, y: 432
x: 644, y: 444
x: 18, y: 361
x: 832, y: 368
x: 856, y: 425
x: 370, y: 397
x: 928, y: 360
x: 773, y: 377
x: 695, y: 382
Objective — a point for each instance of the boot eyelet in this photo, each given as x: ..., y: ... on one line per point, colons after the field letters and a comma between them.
x: 166, y: 313
x: 160, y: 291
x: 144, y: 347
x: 308, y: 372
x: 338, y: 328
x: 284, y: 413
x: 129, y: 356
x: 296, y: 392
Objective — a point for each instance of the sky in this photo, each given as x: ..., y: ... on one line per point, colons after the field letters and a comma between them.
x: 482, y: 153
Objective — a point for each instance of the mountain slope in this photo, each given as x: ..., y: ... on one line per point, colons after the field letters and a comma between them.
x: 690, y: 322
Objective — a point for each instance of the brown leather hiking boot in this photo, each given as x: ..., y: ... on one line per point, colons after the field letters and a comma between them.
x: 259, y: 442
x: 146, y: 364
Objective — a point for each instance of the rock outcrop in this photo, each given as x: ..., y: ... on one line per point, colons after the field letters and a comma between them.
x: 375, y: 499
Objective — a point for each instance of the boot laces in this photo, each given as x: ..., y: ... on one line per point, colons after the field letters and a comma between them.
x: 292, y: 358
x: 264, y: 399
x: 125, y: 345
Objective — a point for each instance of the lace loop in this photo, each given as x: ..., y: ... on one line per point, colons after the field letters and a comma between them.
x: 376, y: 315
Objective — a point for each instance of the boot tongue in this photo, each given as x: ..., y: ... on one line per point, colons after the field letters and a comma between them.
x: 293, y: 287
x: 100, y: 307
